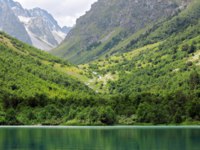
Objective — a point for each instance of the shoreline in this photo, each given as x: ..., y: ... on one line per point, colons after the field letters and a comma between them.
x: 104, y: 127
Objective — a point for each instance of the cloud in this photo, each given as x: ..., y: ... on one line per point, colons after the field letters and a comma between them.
x: 65, y: 11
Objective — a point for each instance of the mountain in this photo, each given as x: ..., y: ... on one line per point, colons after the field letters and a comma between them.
x: 41, y: 29
x: 167, y: 51
x: 44, y: 31
x: 10, y: 23
x: 111, y: 21
x: 157, y: 72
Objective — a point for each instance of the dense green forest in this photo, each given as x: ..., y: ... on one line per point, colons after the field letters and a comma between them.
x: 151, y: 76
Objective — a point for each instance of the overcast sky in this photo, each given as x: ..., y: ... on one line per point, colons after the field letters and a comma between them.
x: 64, y: 11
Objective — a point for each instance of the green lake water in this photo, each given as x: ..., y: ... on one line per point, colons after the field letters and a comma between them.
x: 100, y: 138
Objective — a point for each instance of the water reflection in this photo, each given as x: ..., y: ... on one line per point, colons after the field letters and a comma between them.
x: 100, y: 138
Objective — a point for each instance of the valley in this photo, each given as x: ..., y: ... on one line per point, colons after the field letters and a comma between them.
x: 110, y: 69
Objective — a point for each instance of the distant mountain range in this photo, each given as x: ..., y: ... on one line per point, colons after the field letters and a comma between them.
x: 35, y: 26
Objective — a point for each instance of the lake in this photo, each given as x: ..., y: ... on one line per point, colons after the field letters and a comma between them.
x: 100, y: 138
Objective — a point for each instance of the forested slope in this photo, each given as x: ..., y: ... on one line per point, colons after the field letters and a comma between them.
x: 32, y: 87
x: 159, y: 75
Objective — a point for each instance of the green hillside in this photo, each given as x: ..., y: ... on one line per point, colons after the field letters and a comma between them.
x: 160, y: 72
x: 37, y: 88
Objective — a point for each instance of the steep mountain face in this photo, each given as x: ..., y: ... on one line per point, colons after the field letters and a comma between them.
x: 10, y: 23
x: 94, y: 32
x: 42, y: 29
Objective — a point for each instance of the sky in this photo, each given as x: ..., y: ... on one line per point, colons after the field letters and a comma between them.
x: 64, y: 11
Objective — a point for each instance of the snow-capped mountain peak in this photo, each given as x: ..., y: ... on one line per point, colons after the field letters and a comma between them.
x: 42, y: 28
x: 10, y: 23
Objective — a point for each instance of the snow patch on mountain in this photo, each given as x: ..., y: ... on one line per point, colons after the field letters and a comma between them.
x: 24, y: 20
x: 39, y: 42
x: 42, y: 28
x: 59, y: 36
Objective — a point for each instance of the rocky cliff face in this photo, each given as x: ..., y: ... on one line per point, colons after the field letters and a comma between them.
x: 39, y: 27
x: 107, y: 18
x: 10, y: 23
